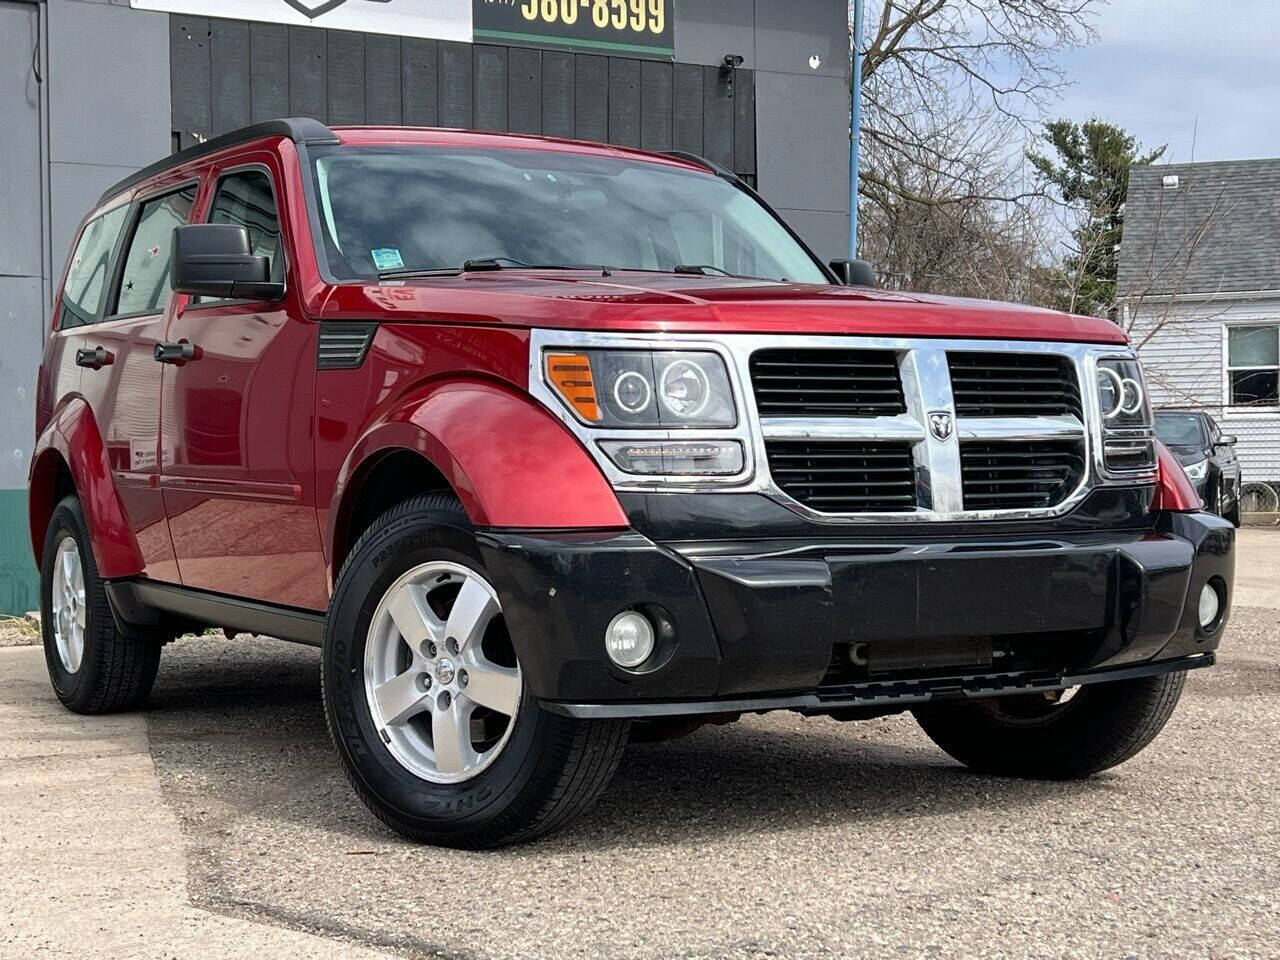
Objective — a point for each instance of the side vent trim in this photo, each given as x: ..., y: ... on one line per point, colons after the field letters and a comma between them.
x: 343, y: 346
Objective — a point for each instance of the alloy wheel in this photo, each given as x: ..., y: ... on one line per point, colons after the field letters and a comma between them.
x: 68, y: 605
x: 440, y: 676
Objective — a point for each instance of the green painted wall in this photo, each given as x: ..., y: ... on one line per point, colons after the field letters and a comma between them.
x: 19, y: 580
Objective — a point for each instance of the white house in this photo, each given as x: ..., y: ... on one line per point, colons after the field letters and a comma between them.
x: 1199, y: 291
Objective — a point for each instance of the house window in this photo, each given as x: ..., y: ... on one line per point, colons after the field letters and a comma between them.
x: 1253, y: 365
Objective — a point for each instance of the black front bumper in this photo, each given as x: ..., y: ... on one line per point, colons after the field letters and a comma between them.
x: 825, y: 624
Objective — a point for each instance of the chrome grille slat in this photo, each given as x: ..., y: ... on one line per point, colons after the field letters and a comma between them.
x: 1020, y: 475
x: 819, y: 382
x: 1014, y: 384
x: 873, y: 476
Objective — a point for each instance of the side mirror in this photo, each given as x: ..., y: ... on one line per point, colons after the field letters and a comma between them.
x: 215, y: 260
x: 854, y: 273
x: 1226, y: 440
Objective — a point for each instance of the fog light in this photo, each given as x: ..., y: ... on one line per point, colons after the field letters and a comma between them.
x: 1210, y: 604
x: 629, y: 639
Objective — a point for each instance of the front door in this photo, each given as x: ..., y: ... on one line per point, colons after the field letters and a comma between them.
x: 238, y: 476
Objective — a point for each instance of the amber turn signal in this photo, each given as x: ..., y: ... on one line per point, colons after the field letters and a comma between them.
x: 570, y: 374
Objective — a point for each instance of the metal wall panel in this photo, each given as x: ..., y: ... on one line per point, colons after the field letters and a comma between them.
x: 344, y: 67
x: 383, y: 91
x: 226, y: 73
x: 419, y: 63
x: 491, y: 87
x: 706, y: 30
x: 804, y: 156
x: 20, y: 147
x: 268, y: 71
x: 229, y: 83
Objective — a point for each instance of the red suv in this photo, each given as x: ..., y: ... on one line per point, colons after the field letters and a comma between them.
x: 550, y: 445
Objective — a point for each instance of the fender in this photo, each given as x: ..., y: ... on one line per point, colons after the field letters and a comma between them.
x: 72, y: 434
x: 511, y: 463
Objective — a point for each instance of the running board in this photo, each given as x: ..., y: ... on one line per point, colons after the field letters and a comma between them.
x: 141, y: 603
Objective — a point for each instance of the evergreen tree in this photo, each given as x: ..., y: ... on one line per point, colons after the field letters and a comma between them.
x: 1090, y: 172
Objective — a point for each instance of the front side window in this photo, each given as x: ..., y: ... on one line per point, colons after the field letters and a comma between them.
x: 245, y: 199
x: 144, y: 283
x: 391, y: 208
x: 87, y: 272
x: 1253, y: 365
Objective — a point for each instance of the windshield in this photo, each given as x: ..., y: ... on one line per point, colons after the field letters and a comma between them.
x: 393, y: 208
x: 1180, y: 429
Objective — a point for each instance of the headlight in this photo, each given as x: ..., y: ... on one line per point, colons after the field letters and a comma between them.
x: 1198, y: 471
x: 1127, y: 444
x: 643, y: 388
x: 1122, y: 397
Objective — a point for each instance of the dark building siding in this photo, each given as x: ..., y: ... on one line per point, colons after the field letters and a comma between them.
x: 227, y: 73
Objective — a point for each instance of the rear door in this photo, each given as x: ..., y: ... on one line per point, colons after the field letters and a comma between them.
x: 124, y: 392
x: 238, y: 477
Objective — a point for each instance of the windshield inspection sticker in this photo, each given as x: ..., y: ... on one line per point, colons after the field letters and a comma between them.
x: 387, y: 258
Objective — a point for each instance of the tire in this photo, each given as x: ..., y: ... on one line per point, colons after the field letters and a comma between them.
x: 529, y: 773
x: 1030, y: 736
x: 112, y: 670
x: 1234, y: 514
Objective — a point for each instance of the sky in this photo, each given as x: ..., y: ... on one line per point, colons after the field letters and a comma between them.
x: 1200, y: 75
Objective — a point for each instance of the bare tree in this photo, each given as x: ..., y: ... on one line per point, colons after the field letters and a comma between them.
x: 951, y: 90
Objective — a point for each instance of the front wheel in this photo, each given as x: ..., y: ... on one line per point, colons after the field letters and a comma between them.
x: 425, y: 700
x: 1233, y: 513
x: 1063, y: 735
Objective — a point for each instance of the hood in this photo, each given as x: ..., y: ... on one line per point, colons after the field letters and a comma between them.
x: 1187, y: 453
x: 634, y: 301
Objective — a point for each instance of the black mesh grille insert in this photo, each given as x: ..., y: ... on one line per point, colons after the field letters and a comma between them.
x: 1014, y: 385
x: 1020, y: 474
x: 827, y: 383
x: 844, y: 476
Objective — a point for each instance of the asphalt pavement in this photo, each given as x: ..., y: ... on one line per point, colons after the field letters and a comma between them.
x: 216, y: 824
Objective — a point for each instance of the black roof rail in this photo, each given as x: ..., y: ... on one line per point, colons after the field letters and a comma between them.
x: 302, y: 130
x: 718, y: 169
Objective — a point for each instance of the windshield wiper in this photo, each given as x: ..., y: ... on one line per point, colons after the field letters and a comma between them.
x: 702, y: 269
x: 484, y: 263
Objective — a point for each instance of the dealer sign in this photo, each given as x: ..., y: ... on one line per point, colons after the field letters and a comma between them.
x: 642, y: 28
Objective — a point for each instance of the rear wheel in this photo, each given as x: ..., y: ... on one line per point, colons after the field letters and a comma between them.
x: 425, y: 700
x: 1064, y: 735
x: 94, y: 666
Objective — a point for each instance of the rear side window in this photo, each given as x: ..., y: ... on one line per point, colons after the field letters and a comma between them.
x: 246, y: 200
x: 144, y: 283
x: 87, y: 272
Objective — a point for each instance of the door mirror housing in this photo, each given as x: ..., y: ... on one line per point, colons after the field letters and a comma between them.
x: 854, y: 273
x: 216, y: 260
x: 1226, y: 440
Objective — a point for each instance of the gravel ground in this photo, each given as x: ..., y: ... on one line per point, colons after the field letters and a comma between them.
x: 774, y: 837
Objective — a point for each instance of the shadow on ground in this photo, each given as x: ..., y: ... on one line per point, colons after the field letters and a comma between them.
x: 246, y: 718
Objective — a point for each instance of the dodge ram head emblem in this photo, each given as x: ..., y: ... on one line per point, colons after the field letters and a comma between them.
x: 941, y: 424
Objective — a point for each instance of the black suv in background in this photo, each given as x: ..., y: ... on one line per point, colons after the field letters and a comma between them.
x: 1208, y: 455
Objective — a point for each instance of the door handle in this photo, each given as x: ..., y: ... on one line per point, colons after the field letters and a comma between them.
x: 177, y: 353
x: 95, y: 358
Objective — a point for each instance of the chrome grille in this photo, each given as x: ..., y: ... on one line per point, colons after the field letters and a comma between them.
x: 827, y: 383
x: 1014, y: 385
x: 842, y: 476
x: 1020, y: 475
x: 813, y: 451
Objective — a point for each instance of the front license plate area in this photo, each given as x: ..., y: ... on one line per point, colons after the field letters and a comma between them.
x: 969, y: 594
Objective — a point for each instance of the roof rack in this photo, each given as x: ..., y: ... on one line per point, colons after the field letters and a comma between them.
x: 302, y: 130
